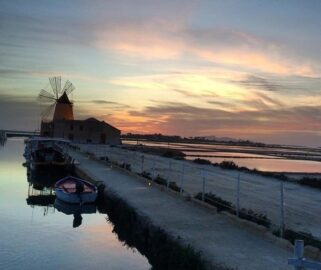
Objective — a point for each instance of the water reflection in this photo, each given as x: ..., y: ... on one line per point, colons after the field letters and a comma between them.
x: 32, y: 240
x: 75, y: 209
x: 40, y: 189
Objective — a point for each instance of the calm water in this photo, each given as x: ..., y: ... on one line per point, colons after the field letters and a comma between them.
x: 41, y: 237
x: 252, y: 160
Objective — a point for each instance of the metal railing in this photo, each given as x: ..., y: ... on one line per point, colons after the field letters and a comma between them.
x: 269, y: 202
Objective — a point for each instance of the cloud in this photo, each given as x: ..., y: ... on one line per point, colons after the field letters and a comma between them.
x: 258, y: 83
x: 161, y: 40
x: 181, y: 118
x: 19, y: 112
x: 109, y: 103
x: 185, y: 93
x: 154, y: 39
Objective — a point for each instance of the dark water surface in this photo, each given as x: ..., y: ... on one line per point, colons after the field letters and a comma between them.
x: 41, y: 237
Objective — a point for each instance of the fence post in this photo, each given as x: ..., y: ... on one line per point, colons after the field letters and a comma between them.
x: 203, y: 185
x: 153, y: 169
x: 169, y: 173
x: 298, y: 252
x: 142, y: 168
x: 282, y: 210
x: 182, y: 179
x: 238, y: 195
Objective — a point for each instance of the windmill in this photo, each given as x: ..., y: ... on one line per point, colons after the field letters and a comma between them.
x: 56, y: 101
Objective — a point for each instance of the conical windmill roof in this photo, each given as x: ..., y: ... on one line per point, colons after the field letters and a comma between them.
x: 64, y: 99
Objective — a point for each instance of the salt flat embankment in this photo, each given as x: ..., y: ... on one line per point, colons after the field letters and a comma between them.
x: 217, y: 236
x: 262, y: 194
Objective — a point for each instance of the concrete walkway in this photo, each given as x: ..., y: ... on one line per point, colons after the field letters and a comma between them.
x: 218, y: 238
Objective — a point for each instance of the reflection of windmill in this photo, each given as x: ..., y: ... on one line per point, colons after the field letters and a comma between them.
x: 57, y: 102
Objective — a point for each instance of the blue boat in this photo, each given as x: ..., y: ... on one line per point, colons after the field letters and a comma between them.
x: 71, y: 189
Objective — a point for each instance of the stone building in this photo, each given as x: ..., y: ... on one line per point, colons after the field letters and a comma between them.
x: 90, y: 130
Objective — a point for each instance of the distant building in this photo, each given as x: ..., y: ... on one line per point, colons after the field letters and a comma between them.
x: 63, y: 124
x: 90, y: 130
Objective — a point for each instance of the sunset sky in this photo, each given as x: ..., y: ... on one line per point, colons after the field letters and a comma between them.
x: 239, y: 69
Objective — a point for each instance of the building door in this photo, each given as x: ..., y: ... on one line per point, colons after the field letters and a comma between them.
x: 102, y: 138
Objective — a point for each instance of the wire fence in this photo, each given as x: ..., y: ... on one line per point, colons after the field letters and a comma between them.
x: 284, y: 207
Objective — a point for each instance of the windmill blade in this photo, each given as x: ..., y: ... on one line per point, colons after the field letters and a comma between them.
x: 58, y: 84
x: 68, y: 88
x: 47, y: 112
x: 45, y: 96
x: 54, y: 86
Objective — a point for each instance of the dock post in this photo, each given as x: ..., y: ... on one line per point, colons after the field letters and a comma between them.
x: 142, y: 167
x: 282, y: 210
x: 169, y: 173
x: 153, y: 169
x: 182, y: 179
x: 203, y: 185
x: 238, y: 195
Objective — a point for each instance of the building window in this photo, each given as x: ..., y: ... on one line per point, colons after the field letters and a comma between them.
x: 81, y: 127
x: 71, y: 127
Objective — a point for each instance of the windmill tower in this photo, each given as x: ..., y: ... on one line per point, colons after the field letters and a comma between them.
x: 57, y: 104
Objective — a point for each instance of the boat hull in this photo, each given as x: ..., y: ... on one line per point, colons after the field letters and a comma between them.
x: 71, y: 209
x: 66, y: 190
x: 76, y: 198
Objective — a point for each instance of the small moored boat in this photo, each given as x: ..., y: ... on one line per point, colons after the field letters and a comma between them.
x: 75, y: 190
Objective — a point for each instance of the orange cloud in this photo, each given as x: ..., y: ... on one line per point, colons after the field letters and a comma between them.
x: 160, y: 41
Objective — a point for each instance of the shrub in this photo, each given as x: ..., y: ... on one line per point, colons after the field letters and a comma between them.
x: 223, y: 205
x: 160, y: 180
x: 126, y: 166
x: 228, y: 165
x: 202, y: 161
x: 104, y: 158
x: 146, y: 175
x: 292, y: 235
x: 216, y: 201
x: 174, y: 186
x: 311, y: 182
x: 250, y: 215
